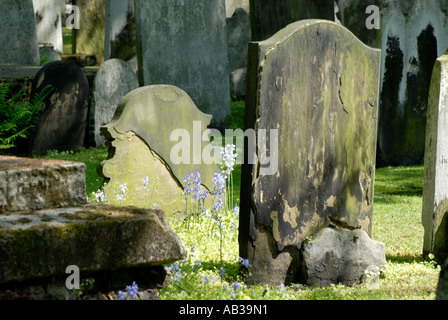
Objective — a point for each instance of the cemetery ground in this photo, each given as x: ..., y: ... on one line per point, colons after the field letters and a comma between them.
x: 213, y: 269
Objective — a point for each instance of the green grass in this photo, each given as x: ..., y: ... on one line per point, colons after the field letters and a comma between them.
x: 396, y: 223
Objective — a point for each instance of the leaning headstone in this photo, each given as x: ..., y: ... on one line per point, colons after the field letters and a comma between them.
x: 49, y: 22
x: 270, y: 16
x: 120, y: 41
x: 143, y: 168
x: 184, y: 43
x: 342, y: 256
x: 239, y: 35
x: 115, y: 78
x: 18, y: 36
x: 63, y: 116
x: 313, y: 89
x: 411, y: 42
x: 435, y: 187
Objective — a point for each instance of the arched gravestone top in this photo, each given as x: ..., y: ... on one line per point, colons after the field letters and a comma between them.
x: 153, y: 113
x: 63, y: 117
x: 318, y: 85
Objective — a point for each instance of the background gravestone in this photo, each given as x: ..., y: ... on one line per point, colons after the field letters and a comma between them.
x: 232, y: 5
x: 140, y: 143
x: 239, y: 35
x: 90, y: 36
x: 18, y: 35
x: 318, y: 85
x: 49, y: 22
x: 115, y: 78
x: 120, y: 41
x: 63, y: 116
x: 413, y: 36
x: 184, y: 43
x: 270, y: 16
x: 435, y: 188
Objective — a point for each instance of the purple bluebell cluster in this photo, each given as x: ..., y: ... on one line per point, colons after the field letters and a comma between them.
x: 195, y: 189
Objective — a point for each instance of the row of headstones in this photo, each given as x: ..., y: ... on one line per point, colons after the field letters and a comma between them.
x: 406, y: 65
x: 329, y: 182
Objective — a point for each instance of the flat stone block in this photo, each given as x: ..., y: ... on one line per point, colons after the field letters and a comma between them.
x: 93, y: 238
x: 35, y: 184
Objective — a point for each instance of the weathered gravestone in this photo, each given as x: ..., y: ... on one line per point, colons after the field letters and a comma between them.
x: 18, y: 35
x: 184, y: 43
x: 232, y: 5
x: 49, y: 22
x: 412, y: 38
x: 144, y: 134
x: 63, y: 117
x: 46, y: 226
x: 317, y: 84
x: 120, y: 41
x: 239, y: 35
x: 270, y: 16
x: 90, y: 35
x: 435, y: 187
x: 115, y: 78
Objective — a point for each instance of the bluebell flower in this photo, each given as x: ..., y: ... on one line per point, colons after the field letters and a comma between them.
x: 236, y: 286
x: 100, y: 197
x: 222, y: 272
x: 132, y: 290
x: 156, y: 206
x: 120, y: 295
x: 282, y: 287
x: 245, y: 262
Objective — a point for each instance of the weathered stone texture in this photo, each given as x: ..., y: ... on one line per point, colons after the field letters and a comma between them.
x: 435, y: 187
x: 31, y: 184
x: 18, y: 36
x: 412, y: 38
x: 239, y: 36
x: 141, y: 141
x: 49, y: 22
x: 115, y: 78
x: 63, y: 117
x: 184, y: 43
x: 270, y: 16
x: 318, y: 85
x: 340, y: 256
x: 44, y: 243
x: 120, y: 39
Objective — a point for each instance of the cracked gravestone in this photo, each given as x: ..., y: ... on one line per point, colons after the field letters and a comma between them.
x: 317, y: 85
x: 435, y: 191
x: 142, y: 138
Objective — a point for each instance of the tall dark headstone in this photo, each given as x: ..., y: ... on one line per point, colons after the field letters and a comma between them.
x: 18, y: 36
x: 269, y: 16
x: 413, y: 36
x: 184, y: 43
x: 63, y: 117
x: 314, y: 87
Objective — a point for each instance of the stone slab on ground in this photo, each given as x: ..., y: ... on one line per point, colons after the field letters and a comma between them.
x: 35, y: 184
x: 93, y: 238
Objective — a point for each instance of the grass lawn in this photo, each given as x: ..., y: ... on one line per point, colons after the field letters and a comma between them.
x: 212, y: 269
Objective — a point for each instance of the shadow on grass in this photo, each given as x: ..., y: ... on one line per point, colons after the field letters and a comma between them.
x: 400, y: 181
